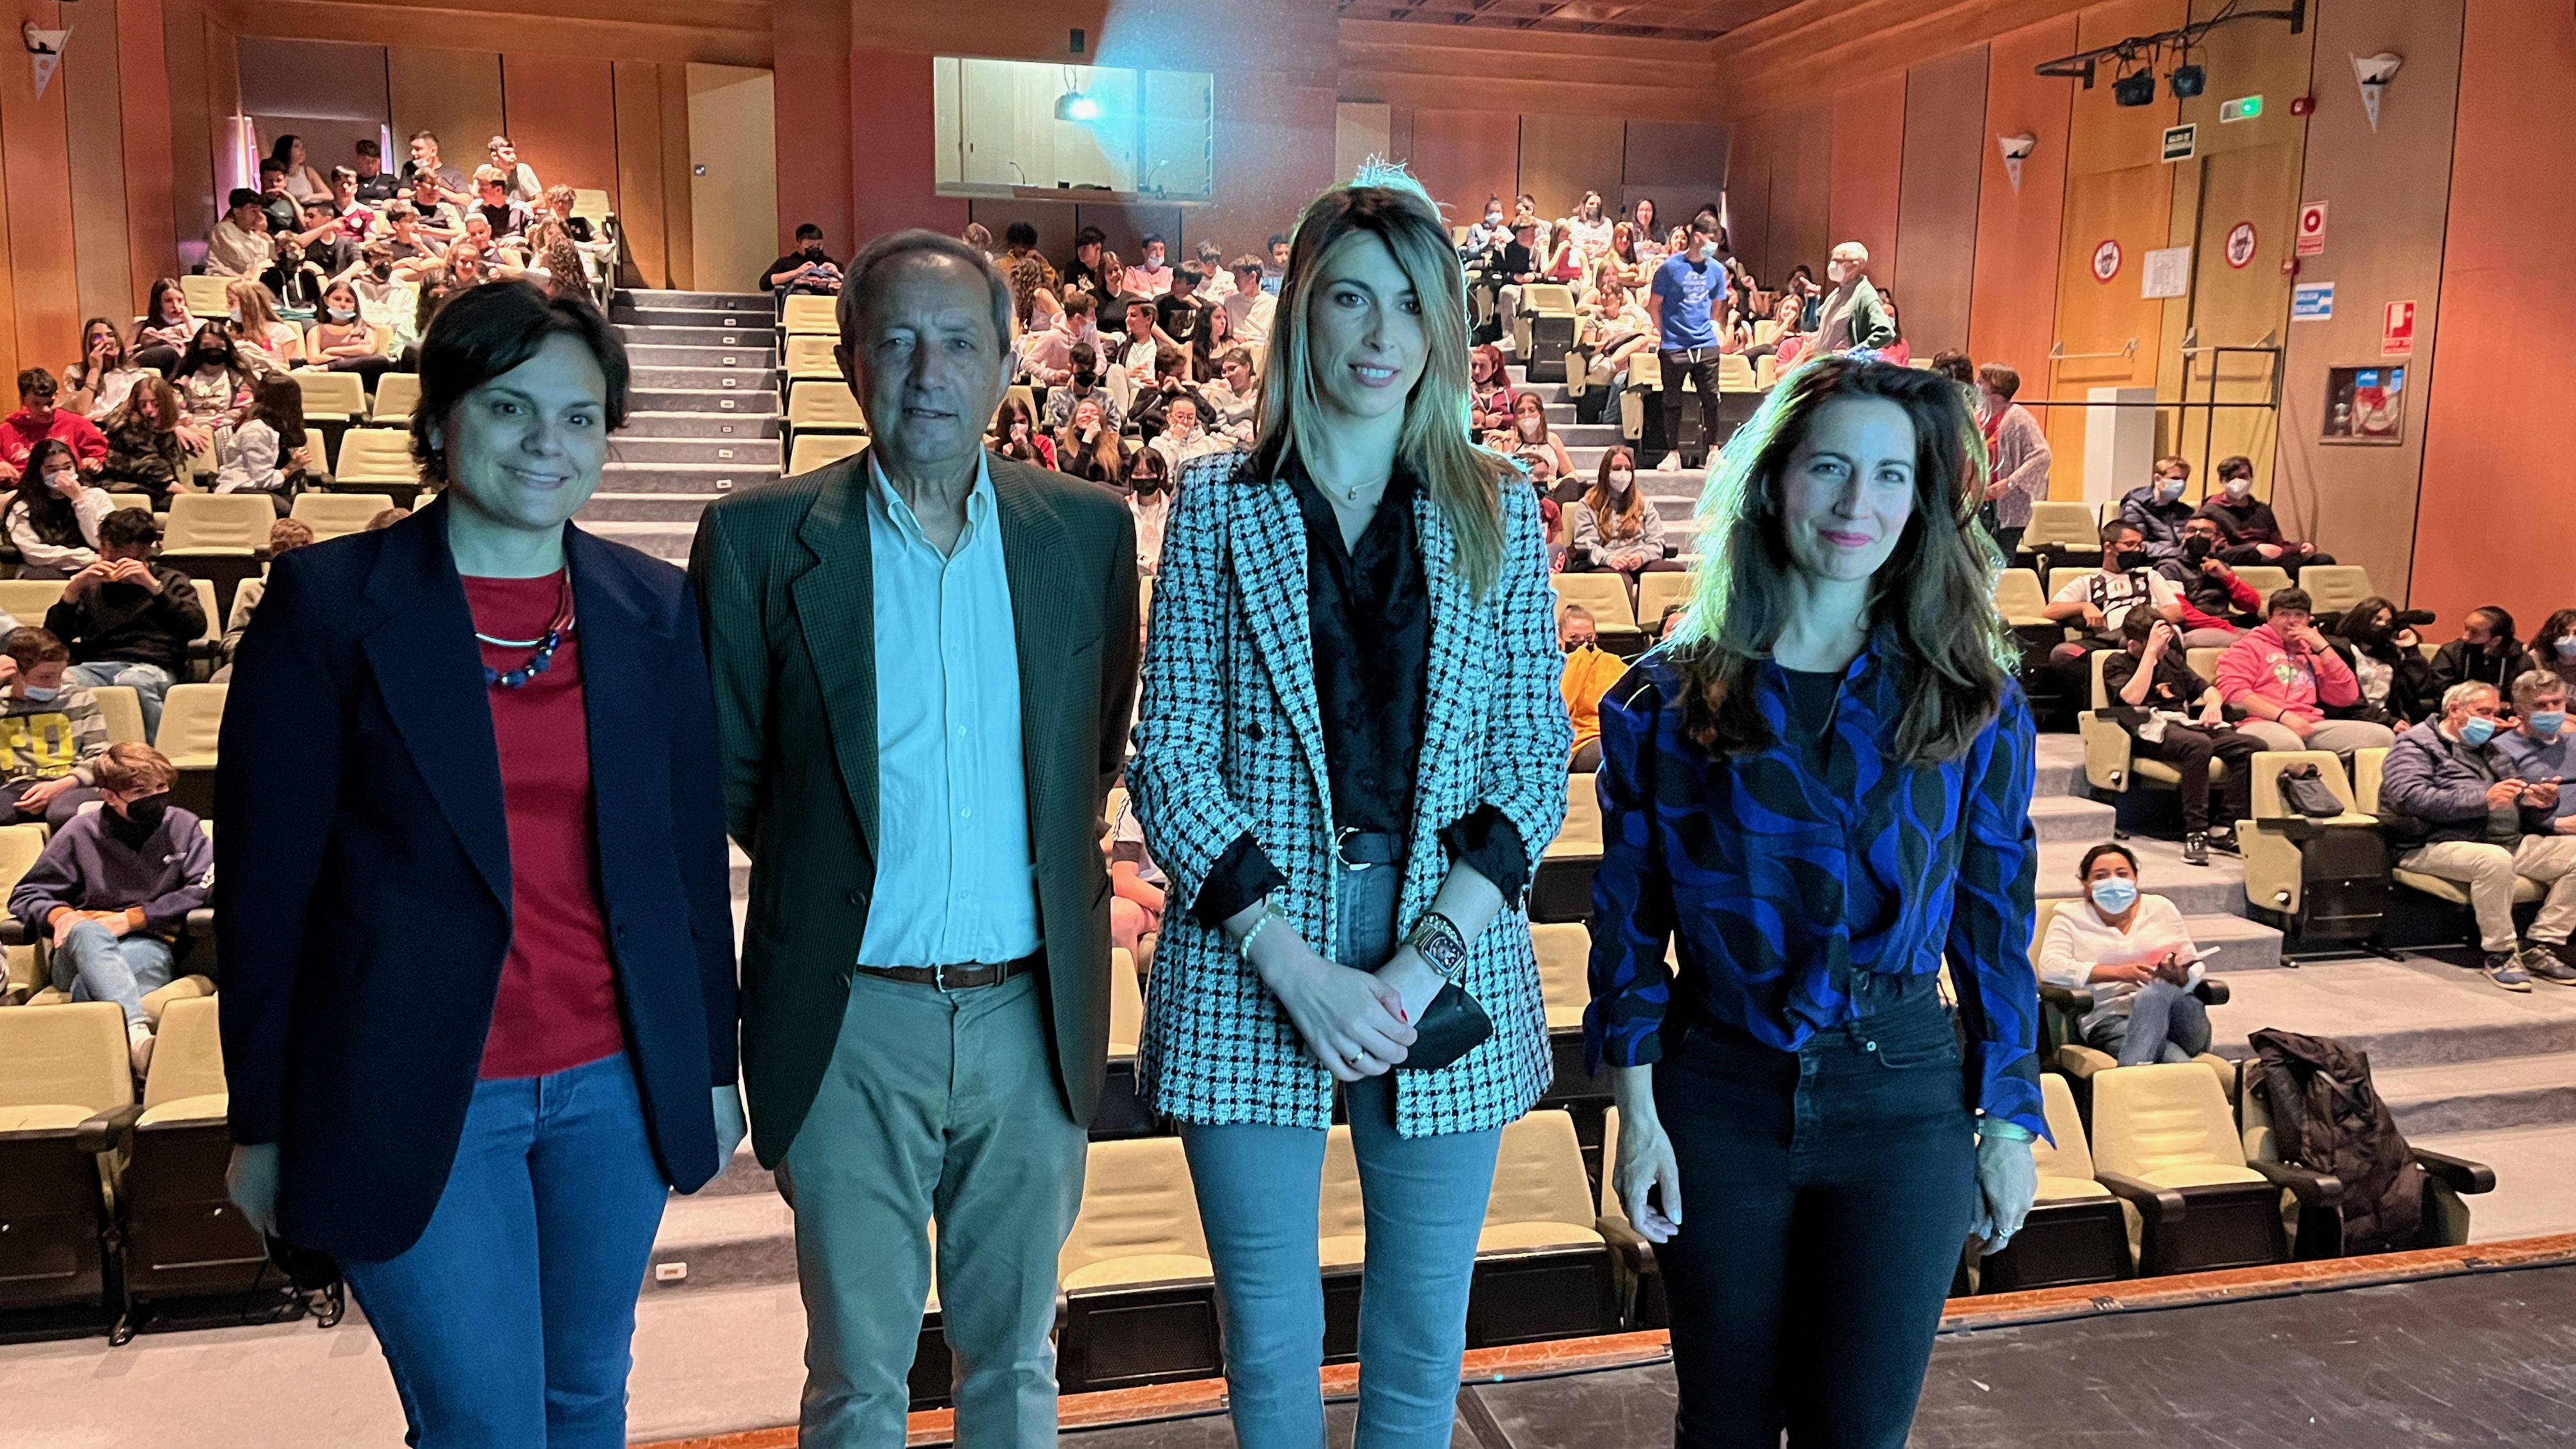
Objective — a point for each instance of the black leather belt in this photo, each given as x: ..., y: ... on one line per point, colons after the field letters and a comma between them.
x: 1360, y: 849
x: 965, y: 977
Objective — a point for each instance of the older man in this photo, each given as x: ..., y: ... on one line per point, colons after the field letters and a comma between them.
x: 923, y: 661
x: 2453, y: 792
x: 1851, y: 316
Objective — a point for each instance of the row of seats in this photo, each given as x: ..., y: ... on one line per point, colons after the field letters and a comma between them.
x: 2020, y: 596
x: 341, y: 397
x: 1605, y: 597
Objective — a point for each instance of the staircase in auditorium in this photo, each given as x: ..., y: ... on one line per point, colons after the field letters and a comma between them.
x: 703, y: 420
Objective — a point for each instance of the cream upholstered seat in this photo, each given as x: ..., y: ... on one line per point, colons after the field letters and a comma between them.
x: 2274, y: 878
x: 2166, y: 1144
x: 1126, y: 1005
x: 2333, y: 588
x: 376, y: 455
x: 2065, y: 527
x: 810, y: 355
x: 187, y: 1078
x: 63, y: 1066
x: 1603, y: 596
x: 2263, y: 579
x: 1541, y: 1197
x: 1564, y: 971
x: 397, y: 393
x: 123, y: 709
x: 334, y: 515
x: 1581, y: 833
x: 1139, y: 1221
x: 1341, y: 1225
x: 806, y: 315
x: 817, y: 405
x: 60, y: 1069
x: 220, y: 523
x: 2065, y: 1166
x: 1657, y: 592
x: 192, y: 720
x: 820, y: 450
x: 207, y: 295
x: 2019, y: 598
x: 331, y: 397
x: 26, y: 600
x: 19, y: 847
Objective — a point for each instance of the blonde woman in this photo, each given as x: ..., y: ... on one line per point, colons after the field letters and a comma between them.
x: 1351, y: 752
x: 1614, y: 527
x: 269, y: 342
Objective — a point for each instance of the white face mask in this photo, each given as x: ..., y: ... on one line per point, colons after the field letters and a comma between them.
x: 2239, y: 487
x: 341, y: 314
x: 1620, y: 478
x: 1533, y: 428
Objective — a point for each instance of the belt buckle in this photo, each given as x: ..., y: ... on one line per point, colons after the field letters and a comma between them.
x: 939, y: 980
x: 1341, y: 840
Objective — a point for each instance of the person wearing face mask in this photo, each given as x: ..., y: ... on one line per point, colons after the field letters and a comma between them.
x: 38, y: 420
x: 2540, y: 749
x: 128, y: 620
x: 52, y: 519
x: 808, y: 270
x: 343, y: 340
x: 2216, y: 604
x: 2016, y: 453
x: 268, y: 342
x: 2097, y: 602
x: 1085, y: 383
x: 1682, y: 304
x: 2554, y: 647
x: 2157, y: 510
x: 2455, y: 802
x: 266, y: 453
x: 114, y: 888
x: 1150, y: 277
x: 2173, y: 715
x: 1485, y: 239
x: 1850, y: 317
x: 2289, y: 683
x: 1615, y: 527
x: 1149, y: 498
x: 1590, y: 672
x: 1184, y: 440
x: 51, y: 733
x: 2380, y: 644
x: 1829, y: 746
x: 2251, y: 533
x: 2134, y: 953
x: 214, y: 385
x: 1531, y: 429
x: 2486, y: 651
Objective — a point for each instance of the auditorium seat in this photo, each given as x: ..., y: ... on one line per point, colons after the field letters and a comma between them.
x: 811, y: 316
x: 2020, y: 600
x: 192, y: 717
x: 2110, y: 759
x: 2061, y: 576
x: 1542, y: 1268
x: 2060, y: 530
x: 810, y: 355
x: 19, y: 847
x: 1139, y: 1292
x: 1656, y: 593
x: 1565, y: 986
x: 218, y: 524
x: 816, y: 406
x: 1642, y: 1304
x: 124, y: 712
x: 141, y: 501
x: 331, y: 397
x: 333, y: 515
x: 375, y: 455
x: 1561, y: 887
x: 2076, y: 1232
x: 2166, y: 1145
x: 183, y: 1236
x: 2062, y: 1010
x: 2326, y: 878
x: 821, y: 450
x: 66, y: 1098
x: 208, y: 297
x: 397, y: 393
x: 26, y: 600
x: 2317, y: 1227
x: 1603, y: 595
x: 2263, y: 579
x: 2333, y: 588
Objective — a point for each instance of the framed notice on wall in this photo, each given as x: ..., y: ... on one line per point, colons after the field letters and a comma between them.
x: 2365, y: 405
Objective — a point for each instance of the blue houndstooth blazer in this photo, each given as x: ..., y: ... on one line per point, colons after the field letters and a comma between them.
x: 1231, y: 739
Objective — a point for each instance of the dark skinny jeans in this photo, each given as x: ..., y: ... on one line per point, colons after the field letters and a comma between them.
x: 1826, y: 1195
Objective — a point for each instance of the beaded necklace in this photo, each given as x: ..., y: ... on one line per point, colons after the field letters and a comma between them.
x: 545, y: 645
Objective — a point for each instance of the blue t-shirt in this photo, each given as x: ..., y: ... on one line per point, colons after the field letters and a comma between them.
x: 1686, y: 288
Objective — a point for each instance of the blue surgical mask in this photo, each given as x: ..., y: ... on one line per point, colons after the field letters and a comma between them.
x: 2477, y: 729
x: 2115, y: 894
x: 2566, y: 647
x: 40, y: 696
x: 2546, y: 723
x: 341, y: 314
x: 2168, y: 489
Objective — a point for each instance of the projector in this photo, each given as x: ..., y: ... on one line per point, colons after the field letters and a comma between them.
x: 2135, y: 90
x: 2189, y: 81
x: 1075, y: 106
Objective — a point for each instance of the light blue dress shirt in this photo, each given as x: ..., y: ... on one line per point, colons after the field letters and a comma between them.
x: 956, y: 876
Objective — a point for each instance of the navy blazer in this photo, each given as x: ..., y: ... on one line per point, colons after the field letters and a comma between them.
x: 362, y: 870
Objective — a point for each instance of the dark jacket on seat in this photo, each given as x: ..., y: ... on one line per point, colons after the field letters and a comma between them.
x: 363, y: 886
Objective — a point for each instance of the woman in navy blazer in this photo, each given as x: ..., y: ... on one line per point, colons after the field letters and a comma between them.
x: 471, y: 890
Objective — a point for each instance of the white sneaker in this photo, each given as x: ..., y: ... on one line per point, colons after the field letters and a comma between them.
x: 138, y: 1045
x: 1672, y: 463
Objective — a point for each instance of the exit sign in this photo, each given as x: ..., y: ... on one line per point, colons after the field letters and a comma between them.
x: 2243, y: 108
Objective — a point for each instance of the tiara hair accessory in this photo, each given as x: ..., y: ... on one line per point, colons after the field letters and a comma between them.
x: 1391, y: 175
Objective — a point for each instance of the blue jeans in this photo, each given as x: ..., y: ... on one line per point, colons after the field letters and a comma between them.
x: 2164, y: 1023
x: 1259, y: 1189
x: 96, y: 966
x: 510, y: 1323
x: 148, y: 681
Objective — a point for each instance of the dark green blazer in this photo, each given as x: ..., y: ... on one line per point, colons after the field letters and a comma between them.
x: 785, y: 589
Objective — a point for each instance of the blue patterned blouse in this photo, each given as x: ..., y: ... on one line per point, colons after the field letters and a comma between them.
x: 1779, y: 879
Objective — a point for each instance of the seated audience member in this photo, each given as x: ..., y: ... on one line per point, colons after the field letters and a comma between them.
x: 258, y: 329
x: 51, y: 733
x: 2134, y: 953
x: 1048, y: 355
x: 1540, y: 470
x: 2016, y: 450
x: 1136, y: 886
x: 1672, y: 616
x: 2216, y: 604
x: 560, y: 204
x: 284, y: 535
x: 2554, y: 647
x: 1489, y: 391
x: 240, y: 245
x: 1615, y: 527
x: 1531, y: 429
x: 2486, y: 652
x: 38, y: 420
x: 1151, y: 276
x: 2284, y: 678
x: 520, y: 177
x: 388, y: 288
x: 2455, y: 803
x: 1150, y: 406
x: 375, y: 183
x: 105, y: 375
x: 1565, y: 265
x: 555, y: 263
x: 52, y: 518
x: 1248, y: 309
x: 284, y: 211
x: 1019, y: 240
x: 385, y: 518
x: 425, y: 163
x: 2252, y: 534
x: 2158, y: 510
x: 2396, y: 679
x: 1184, y: 440
x: 162, y: 336
x: 304, y: 180
x: 1033, y: 307
x: 441, y: 223
x: 265, y: 453
x: 2173, y: 715
x: 1182, y: 315
x: 1229, y: 405
x: 114, y: 888
x: 357, y: 219
x: 1141, y: 343
x: 149, y: 442
x: 808, y: 270
x: 2539, y: 750
x: 320, y: 251
x: 1614, y: 327
x: 1589, y: 673
x: 1518, y: 267
x: 1150, y: 482
x: 1084, y: 382
x: 1788, y: 339
x: 1086, y: 443
x: 1083, y: 273
x: 1016, y: 435
x: 2096, y: 603
x: 1277, y: 270
x: 214, y: 381
x: 507, y: 216
x: 1113, y: 285
x: 128, y: 620
x: 1216, y: 282
x: 1623, y: 263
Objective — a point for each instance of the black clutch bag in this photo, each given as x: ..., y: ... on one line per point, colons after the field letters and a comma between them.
x: 1451, y: 1026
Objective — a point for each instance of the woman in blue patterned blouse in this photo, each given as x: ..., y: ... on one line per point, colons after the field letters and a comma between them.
x: 1818, y: 790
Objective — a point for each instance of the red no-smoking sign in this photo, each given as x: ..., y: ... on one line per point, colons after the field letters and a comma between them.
x: 2241, y: 241
x: 2106, y: 260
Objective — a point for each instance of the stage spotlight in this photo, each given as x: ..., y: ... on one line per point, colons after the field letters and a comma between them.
x: 2135, y: 90
x: 2189, y: 81
x: 1075, y: 106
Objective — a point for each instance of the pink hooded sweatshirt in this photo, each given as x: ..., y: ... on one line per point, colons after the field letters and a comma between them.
x: 2263, y: 663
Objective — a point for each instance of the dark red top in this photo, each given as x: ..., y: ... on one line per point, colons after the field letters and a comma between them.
x: 558, y: 1003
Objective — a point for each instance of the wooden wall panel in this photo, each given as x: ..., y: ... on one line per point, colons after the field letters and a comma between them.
x: 727, y: 32
x: 1936, y: 219
x: 638, y: 85
x: 893, y: 181
x: 733, y: 172
x: 93, y: 102
x: 1562, y: 157
x: 2108, y: 136
x: 233, y: 165
x: 814, y: 139
x: 1801, y: 190
x: 561, y: 114
x: 1868, y: 165
x: 1462, y: 157
x: 1279, y: 136
x: 36, y: 149
x: 192, y: 132
x: 1748, y: 196
x: 2012, y: 311
x: 1362, y: 129
x: 679, y: 245
x: 144, y: 71
x: 454, y: 93
x: 2112, y: 337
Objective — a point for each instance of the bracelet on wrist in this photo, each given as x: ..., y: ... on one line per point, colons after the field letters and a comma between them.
x: 1269, y: 912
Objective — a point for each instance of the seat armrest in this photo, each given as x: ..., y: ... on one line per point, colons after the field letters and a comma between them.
x: 2456, y: 1173
x: 13, y: 932
x: 108, y: 1130
x: 2156, y: 1204
x: 2316, y: 1189
x: 2067, y: 998
x: 201, y: 924
x: 2212, y: 992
